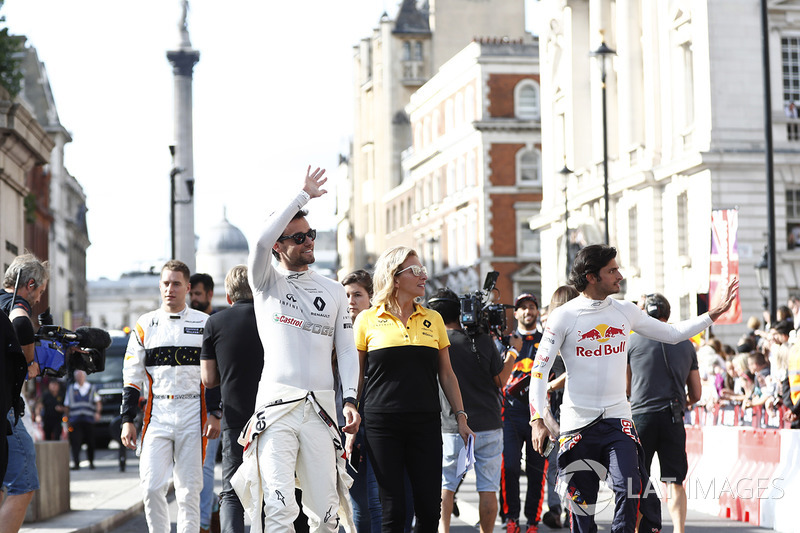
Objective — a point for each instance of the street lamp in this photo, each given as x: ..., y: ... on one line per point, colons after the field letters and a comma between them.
x: 763, y: 277
x: 770, y: 171
x: 601, y: 53
x: 565, y: 172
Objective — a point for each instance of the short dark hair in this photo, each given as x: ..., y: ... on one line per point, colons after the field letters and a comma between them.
x: 300, y: 214
x: 657, y: 306
x: 757, y: 357
x: 446, y: 303
x: 359, y: 277
x: 205, y: 279
x: 784, y: 327
x: 590, y: 260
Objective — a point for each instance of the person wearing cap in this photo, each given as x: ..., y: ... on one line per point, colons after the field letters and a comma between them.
x: 516, y: 431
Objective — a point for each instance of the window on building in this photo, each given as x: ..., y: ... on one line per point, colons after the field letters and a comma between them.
x: 435, y: 125
x: 469, y: 104
x: 526, y: 100
x: 451, y: 178
x: 418, y: 50
x: 461, y: 174
x: 406, y: 50
x: 528, y: 242
x: 471, y: 169
x: 459, y: 109
x: 426, y: 131
x: 529, y: 168
x: 633, y: 237
x: 688, y: 85
x: 793, y: 218
x: 448, y: 115
x: 683, y: 224
x: 790, y: 61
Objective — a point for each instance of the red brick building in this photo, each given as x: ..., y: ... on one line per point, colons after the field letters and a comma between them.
x: 472, y: 177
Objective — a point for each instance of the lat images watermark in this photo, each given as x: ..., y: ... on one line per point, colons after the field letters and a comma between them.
x: 746, y: 488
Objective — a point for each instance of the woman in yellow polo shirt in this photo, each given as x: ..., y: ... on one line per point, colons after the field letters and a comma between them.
x: 407, y: 349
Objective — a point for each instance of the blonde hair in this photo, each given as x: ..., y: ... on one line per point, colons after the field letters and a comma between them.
x: 385, y: 269
x: 236, y: 285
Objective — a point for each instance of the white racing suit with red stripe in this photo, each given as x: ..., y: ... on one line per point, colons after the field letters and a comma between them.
x: 163, y: 359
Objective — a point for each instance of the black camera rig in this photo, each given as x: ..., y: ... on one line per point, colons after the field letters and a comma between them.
x: 59, y: 350
x: 478, y: 315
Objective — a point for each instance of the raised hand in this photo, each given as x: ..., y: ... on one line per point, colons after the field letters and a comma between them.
x: 314, y: 182
x: 725, y: 303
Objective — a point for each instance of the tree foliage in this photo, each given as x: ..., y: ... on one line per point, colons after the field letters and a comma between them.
x: 11, y: 47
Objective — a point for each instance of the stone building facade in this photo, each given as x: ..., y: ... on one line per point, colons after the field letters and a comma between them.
x: 685, y: 136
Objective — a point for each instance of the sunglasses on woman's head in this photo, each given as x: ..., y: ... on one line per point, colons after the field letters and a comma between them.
x: 415, y: 270
x: 299, y: 237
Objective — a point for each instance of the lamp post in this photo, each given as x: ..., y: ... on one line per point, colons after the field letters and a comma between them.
x: 763, y: 278
x: 601, y: 53
x: 771, y: 248
x: 172, y: 201
x: 565, y: 172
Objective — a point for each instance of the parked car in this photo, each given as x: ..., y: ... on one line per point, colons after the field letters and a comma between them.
x: 109, y: 386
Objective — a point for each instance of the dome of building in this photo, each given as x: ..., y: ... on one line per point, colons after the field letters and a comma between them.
x: 223, y: 237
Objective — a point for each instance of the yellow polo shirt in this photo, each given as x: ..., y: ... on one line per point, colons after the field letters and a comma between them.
x: 403, y: 359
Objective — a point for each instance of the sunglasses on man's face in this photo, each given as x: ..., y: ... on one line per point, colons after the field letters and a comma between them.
x: 415, y: 270
x: 299, y: 237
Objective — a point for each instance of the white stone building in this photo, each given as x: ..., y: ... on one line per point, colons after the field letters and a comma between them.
x: 68, y: 235
x: 398, y: 57
x: 685, y: 136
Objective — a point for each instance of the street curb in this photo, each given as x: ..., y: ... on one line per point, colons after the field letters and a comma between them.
x: 119, y: 518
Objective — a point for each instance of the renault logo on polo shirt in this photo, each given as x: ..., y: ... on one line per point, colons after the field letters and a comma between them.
x: 426, y: 323
x: 319, y: 303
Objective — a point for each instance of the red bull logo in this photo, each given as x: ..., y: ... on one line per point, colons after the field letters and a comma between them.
x: 601, y: 333
x: 525, y: 365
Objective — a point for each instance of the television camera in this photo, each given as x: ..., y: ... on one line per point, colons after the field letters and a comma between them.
x: 59, y: 350
x: 478, y: 315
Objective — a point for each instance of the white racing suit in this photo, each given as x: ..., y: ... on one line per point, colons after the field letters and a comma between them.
x: 268, y: 463
x: 164, y: 355
x: 301, y: 317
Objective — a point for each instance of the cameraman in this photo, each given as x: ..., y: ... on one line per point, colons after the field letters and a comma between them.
x: 662, y: 379
x: 481, y: 372
x: 28, y: 276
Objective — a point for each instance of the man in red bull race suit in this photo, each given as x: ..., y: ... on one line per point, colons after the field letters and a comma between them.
x: 598, y: 438
x: 164, y: 353
x: 516, y: 431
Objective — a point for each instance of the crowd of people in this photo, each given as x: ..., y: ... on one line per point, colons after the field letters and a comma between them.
x: 752, y: 382
x: 350, y: 404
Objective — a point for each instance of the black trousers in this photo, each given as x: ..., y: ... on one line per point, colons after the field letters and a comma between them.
x: 407, y: 442
x: 81, y: 432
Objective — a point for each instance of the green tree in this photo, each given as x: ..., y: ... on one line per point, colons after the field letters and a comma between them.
x: 11, y: 47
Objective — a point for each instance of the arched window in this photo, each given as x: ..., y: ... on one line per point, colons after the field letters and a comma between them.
x: 529, y: 167
x: 526, y: 100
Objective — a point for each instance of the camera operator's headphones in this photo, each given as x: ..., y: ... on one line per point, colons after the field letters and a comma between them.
x: 657, y: 306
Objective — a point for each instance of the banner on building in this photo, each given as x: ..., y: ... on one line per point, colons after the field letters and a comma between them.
x: 724, y: 262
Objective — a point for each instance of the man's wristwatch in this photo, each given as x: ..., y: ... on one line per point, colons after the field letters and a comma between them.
x: 216, y: 413
x: 351, y: 400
